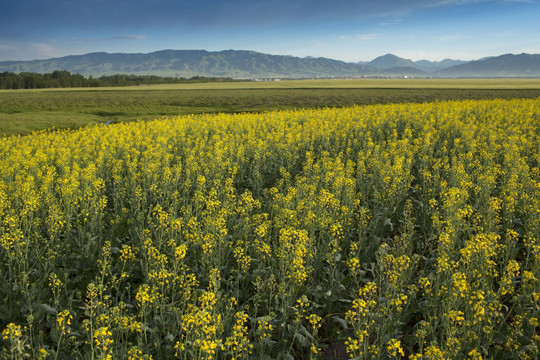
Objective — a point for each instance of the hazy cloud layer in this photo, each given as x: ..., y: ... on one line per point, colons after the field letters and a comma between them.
x: 94, y: 14
x: 116, y: 37
x: 344, y: 29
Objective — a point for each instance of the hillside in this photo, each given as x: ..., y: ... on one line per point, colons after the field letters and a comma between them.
x: 187, y: 63
x: 508, y: 65
x: 251, y: 65
x: 431, y: 66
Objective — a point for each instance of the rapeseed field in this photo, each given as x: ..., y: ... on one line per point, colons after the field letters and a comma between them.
x: 376, y: 232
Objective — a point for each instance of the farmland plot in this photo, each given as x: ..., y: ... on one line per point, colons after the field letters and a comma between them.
x: 388, y: 231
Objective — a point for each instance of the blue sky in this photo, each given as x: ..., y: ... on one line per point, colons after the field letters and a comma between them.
x: 338, y: 29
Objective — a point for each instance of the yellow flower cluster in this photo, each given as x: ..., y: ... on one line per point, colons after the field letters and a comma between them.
x: 12, y: 331
x: 237, y: 342
x: 64, y: 321
x: 394, y: 347
x: 103, y: 339
x: 409, y: 230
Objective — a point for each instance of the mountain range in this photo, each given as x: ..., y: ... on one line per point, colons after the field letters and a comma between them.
x: 251, y: 64
x: 391, y: 62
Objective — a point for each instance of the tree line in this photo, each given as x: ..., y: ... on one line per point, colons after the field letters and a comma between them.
x: 65, y: 79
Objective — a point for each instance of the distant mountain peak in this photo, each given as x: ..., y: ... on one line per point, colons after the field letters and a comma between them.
x: 389, y: 61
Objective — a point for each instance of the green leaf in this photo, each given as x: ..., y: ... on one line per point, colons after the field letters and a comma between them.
x: 304, y: 342
x: 342, y: 322
x: 48, y: 309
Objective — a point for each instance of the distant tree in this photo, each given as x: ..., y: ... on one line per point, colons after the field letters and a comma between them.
x: 63, y: 78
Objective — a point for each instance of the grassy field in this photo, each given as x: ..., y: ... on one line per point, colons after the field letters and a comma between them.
x: 25, y: 111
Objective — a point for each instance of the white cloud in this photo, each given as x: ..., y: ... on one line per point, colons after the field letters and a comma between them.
x: 6, y: 47
x: 390, y: 22
x: 452, y: 37
x: 116, y: 37
x: 440, y: 55
x: 531, y: 50
x: 129, y: 37
x: 43, y: 49
x: 362, y: 37
x: 318, y: 43
x: 29, y: 51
